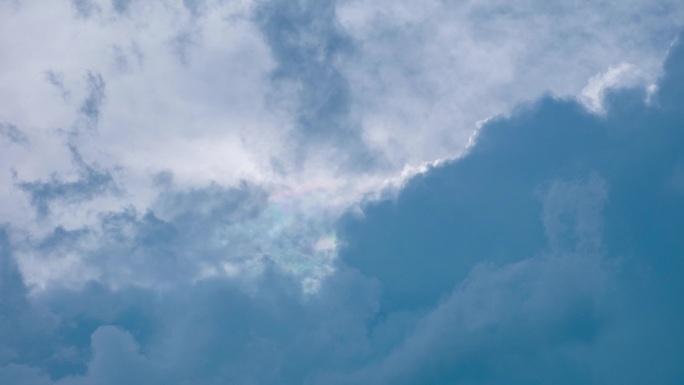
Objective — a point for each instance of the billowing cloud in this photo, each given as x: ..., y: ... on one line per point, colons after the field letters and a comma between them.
x: 210, y: 192
x: 427, y: 72
x: 534, y: 258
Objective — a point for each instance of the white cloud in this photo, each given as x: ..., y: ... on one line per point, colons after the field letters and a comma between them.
x: 426, y: 72
x: 188, y: 88
x: 137, y: 293
x: 623, y: 75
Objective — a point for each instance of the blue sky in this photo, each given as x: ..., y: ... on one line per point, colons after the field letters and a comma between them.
x: 341, y: 192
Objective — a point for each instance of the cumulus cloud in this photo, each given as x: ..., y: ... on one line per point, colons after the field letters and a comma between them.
x: 91, y: 182
x: 526, y: 321
x: 298, y: 94
x: 525, y: 261
x: 194, y: 193
x: 12, y: 134
x: 426, y: 72
x: 323, y: 103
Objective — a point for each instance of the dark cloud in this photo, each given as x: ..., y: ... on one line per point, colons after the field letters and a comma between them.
x: 550, y: 253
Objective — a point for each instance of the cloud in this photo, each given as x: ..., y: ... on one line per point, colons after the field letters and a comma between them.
x: 22, y: 375
x: 12, y: 134
x: 194, y: 236
x: 553, y: 285
x: 121, y: 6
x: 114, y: 349
x: 311, y: 50
x: 91, y: 182
x: 24, y: 328
x: 96, y: 94
x: 425, y: 72
x: 343, y: 96
x: 85, y: 8
x: 621, y: 75
x: 521, y: 322
x: 185, y: 236
x: 548, y: 253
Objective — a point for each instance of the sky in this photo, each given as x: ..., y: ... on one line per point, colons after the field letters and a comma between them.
x: 341, y: 192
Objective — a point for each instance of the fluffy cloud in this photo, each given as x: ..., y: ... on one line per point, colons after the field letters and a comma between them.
x: 426, y: 72
x: 337, y: 100
x: 174, y: 174
x: 537, y: 257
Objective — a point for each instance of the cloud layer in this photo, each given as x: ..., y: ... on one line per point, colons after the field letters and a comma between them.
x: 209, y: 192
